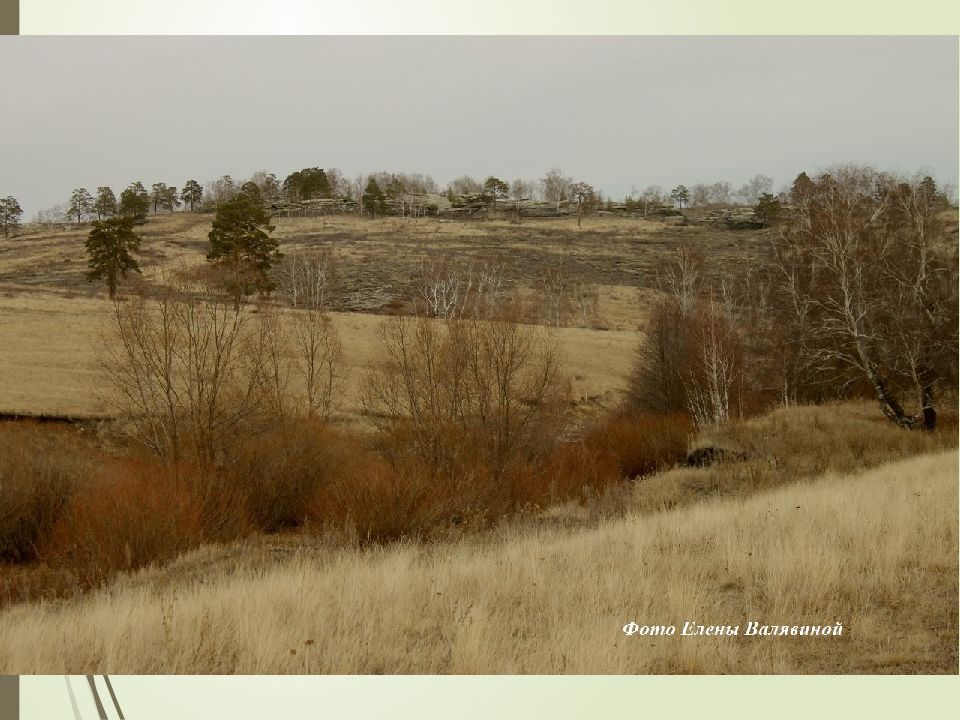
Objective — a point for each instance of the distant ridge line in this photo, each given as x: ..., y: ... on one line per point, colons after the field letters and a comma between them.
x: 52, y: 418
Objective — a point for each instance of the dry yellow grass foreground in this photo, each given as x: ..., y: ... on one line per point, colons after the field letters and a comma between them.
x: 876, y: 552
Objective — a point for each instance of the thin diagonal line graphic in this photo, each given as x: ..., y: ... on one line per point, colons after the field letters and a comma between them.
x: 113, y: 696
x: 96, y: 698
x: 73, y: 699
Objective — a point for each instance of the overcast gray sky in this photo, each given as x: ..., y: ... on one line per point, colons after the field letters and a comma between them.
x: 614, y: 111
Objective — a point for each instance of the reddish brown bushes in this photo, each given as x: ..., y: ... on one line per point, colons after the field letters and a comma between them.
x: 642, y: 443
x: 387, y: 493
x: 38, y: 473
x: 380, y: 490
x: 380, y: 501
x: 617, y: 448
x: 570, y: 472
x: 137, y: 513
x: 74, y: 517
x: 278, y: 472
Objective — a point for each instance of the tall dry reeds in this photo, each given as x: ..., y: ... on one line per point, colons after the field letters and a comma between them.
x: 39, y: 473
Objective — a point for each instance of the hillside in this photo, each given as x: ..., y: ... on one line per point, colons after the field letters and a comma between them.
x: 51, y: 318
x: 875, y: 551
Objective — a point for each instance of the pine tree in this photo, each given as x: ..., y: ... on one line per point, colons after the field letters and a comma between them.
x: 496, y: 189
x: 170, y: 200
x: 158, y: 195
x: 251, y: 190
x: 767, y: 209
x: 307, y: 184
x: 374, y: 200
x: 240, y: 244
x: 680, y: 195
x: 802, y: 187
x: 192, y: 194
x: 134, y: 201
x: 106, y: 203
x: 109, y: 247
x: 80, y: 205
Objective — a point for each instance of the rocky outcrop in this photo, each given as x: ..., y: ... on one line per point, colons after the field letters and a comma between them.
x: 740, y: 218
x: 711, y: 454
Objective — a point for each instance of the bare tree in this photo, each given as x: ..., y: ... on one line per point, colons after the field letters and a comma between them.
x: 484, y: 299
x: 308, y: 278
x: 554, y: 285
x: 267, y: 347
x: 445, y: 288
x: 319, y: 355
x: 520, y: 190
x: 586, y: 300
x: 192, y: 375
x: 750, y: 191
x: 713, y: 380
x: 556, y: 186
x: 690, y: 356
x: 681, y: 278
x: 177, y: 363
x: 656, y: 382
x: 699, y: 195
x: 467, y: 392
x: 465, y: 185
x: 652, y: 196
x: 562, y: 296
x: 662, y: 364
x: 719, y: 193
x: 441, y: 288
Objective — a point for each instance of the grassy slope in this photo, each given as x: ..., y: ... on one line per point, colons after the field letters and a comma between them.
x: 49, y: 356
x: 875, y: 551
x: 50, y: 315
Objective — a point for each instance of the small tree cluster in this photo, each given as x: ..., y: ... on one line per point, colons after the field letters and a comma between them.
x: 858, y: 296
x: 690, y: 357
x: 867, y: 274
x: 134, y: 201
x: 164, y: 197
x: 307, y: 184
x: 444, y: 288
x: 562, y: 295
x: 194, y: 375
x: 467, y: 398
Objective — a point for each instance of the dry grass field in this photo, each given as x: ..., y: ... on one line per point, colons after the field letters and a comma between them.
x: 808, y: 515
x: 49, y: 357
x: 875, y: 551
x: 377, y: 257
x: 51, y: 318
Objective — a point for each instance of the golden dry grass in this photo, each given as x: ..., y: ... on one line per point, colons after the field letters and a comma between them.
x: 874, y: 551
x: 789, y: 444
x: 50, y: 316
x: 49, y: 356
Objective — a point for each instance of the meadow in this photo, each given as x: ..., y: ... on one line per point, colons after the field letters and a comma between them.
x: 326, y: 545
x: 504, y: 603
